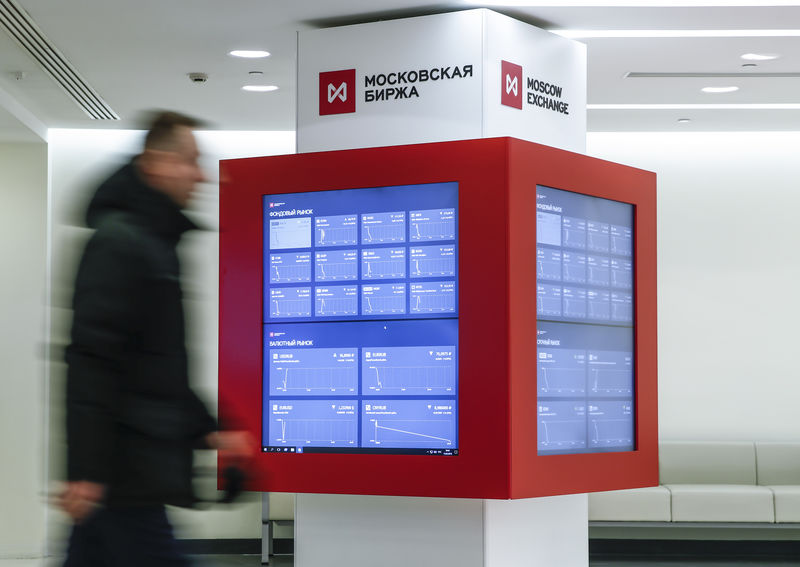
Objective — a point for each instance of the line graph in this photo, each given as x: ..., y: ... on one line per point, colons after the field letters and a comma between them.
x: 408, y: 423
x: 574, y: 267
x: 562, y: 380
x: 432, y: 261
x: 573, y: 233
x: 562, y: 425
x: 336, y: 300
x: 315, y: 423
x: 548, y: 264
x: 431, y: 267
x: 290, y: 267
x: 574, y: 302
x: 377, y: 228
x: 287, y: 274
x: 562, y: 433
x: 290, y: 302
x: 409, y: 370
x: 598, y: 304
x: 597, y: 236
x: 611, y: 432
x: 316, y: 432
x: 384, y: 298
x: 314, y: 371
x: 611, y: 373
x: 433, y: 224
x: 621, y: 274
x: 338, y: 230
x: 336, y: 265
x: 290, y: 233
x: 383, y: 263
x: 621, y: 306
x: 433, y: 297
x: 548, y: 299
x: 402, y: 431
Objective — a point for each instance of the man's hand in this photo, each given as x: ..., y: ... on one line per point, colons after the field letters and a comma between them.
x: 80, y: 498
x: 236, y: 447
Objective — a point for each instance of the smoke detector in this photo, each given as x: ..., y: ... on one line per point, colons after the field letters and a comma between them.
x: 198, y: 77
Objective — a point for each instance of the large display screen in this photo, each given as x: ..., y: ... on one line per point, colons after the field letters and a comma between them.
x: 360, y: 321
x: 585, y: 324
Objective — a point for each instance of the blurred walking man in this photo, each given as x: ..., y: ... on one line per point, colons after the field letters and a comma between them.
x: 132, y: 419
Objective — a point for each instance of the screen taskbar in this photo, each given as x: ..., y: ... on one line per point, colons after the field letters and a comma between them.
x: 359, y: 450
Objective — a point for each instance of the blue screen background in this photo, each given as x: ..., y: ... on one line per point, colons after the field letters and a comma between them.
x: 585, y: 315
x: 361, y: 320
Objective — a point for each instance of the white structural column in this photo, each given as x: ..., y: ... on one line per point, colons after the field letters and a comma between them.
x: 392, y: 531
x: 396, y: 82
x: 537, y: 532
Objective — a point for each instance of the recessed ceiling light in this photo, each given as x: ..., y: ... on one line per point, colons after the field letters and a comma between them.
x: 719, y: 89
x: 249, y: 54
x: 259, y: 88
x: 760, y: 56
x: 684, y: 120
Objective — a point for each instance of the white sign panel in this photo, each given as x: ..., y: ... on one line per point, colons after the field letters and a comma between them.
x: 390, y: 83
x: 535, y: 85
x: 454, y: 76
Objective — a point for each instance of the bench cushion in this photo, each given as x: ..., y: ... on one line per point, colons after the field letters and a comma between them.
x: 637, y: 505
x: 281, y: 506
x: 700, y: 462
x: 778, y: 463
x: 721, y: 503
x: 787, y: 503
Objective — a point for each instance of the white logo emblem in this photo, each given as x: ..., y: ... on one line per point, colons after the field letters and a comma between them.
x: 511, y: 85
x: 339, y: 92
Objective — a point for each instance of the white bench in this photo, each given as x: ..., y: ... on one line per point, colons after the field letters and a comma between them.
x: 719, y: 482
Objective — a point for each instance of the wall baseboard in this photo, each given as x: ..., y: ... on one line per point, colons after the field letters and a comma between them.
x: 280, y: 546
x: 683, y: 548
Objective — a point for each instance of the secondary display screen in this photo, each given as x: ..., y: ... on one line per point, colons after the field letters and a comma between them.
x: 361, y: 321
x: 585, y: 323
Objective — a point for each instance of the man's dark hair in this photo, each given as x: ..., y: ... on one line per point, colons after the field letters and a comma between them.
x: 161, y: 132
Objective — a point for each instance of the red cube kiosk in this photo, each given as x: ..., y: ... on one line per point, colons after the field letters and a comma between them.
x: 460, y: 319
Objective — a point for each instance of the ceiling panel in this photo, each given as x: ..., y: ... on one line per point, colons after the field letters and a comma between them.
x: 137, y: 55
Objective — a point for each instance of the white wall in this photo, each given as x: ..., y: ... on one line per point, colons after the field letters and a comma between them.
x: 728, y: 309
x: 23, y: 229
x: 79, y: 159
x: 729, y: 273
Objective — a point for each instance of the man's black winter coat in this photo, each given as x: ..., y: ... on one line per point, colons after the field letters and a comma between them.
x: 132, y: 419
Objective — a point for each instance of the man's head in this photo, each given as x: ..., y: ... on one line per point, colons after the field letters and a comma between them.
x: 169, y: 162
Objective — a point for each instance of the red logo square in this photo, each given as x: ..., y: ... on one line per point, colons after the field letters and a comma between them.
x: 337, y: 92
x: 511, y: 87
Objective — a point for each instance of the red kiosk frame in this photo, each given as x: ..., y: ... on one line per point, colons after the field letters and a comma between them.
x: 497, y: 179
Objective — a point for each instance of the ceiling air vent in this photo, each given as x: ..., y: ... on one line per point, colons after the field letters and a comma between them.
x: 30, y: 38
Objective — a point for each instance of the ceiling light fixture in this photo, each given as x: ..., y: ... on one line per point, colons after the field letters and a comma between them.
x: 259, y: 88
x: 719, y: 89
x: 684, y: 120
x: 249, y: 54
x: 760, y: 56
